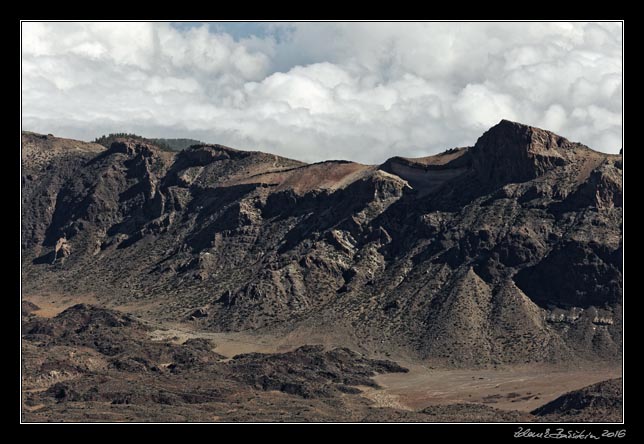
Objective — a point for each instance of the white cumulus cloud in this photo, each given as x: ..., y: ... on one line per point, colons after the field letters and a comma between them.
x: 314, y: 91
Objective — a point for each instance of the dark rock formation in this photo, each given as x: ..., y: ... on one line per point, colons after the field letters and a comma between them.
x: 310, y: 372
x: 75, y: 373
x: 601, y: 402
x: 511, y: 152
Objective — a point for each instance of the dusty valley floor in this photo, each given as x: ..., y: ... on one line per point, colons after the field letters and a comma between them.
x: 514, y: 389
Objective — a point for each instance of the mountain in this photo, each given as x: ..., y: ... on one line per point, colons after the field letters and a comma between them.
x: 506, y: 252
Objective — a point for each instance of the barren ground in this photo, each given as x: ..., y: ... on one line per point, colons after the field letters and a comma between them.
x: 512, y: 388
x: 522, y: 388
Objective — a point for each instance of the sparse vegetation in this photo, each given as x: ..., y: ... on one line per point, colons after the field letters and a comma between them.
x: 172, y: 145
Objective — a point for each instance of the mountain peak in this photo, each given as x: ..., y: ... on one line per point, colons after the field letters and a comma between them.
x: 511, y: 123
x: 527, y: 136
x: 515, y: 152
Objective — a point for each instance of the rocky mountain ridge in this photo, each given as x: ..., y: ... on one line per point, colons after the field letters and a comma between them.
x: 509, y: 251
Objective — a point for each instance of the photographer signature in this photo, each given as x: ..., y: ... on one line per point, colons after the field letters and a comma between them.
x: 568, y: 434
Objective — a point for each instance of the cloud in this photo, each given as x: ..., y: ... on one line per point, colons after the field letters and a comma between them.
x: 479, y: 106
x: 312, y: 91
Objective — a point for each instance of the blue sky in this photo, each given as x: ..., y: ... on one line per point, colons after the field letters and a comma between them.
x: 237, y: 30
x: 313, y: 91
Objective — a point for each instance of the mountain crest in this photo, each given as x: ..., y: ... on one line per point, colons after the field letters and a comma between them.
x: 513, y: 152
x: 509, y: 152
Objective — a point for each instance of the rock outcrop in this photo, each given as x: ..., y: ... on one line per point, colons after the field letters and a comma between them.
x: 62, y: 249
x: 511, y: 152
x: 601, y: 402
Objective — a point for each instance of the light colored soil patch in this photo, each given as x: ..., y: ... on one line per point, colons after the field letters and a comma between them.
x: 230, y: 344
x: 438, y: 159
x: 324, y: 176
x: 51, y: 304
x: 227, y: 344
x: 33, y: 408
x: 136, y: 308
x: 592, y: 161
x: 520, y: 388
x: 381, y: 398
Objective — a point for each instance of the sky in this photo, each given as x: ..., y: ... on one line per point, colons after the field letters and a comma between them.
x: 322, y: 90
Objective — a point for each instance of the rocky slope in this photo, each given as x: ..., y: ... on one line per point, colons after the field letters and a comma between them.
x: 601, y: 402
x: 509, y: 251
x: 93, y: 364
